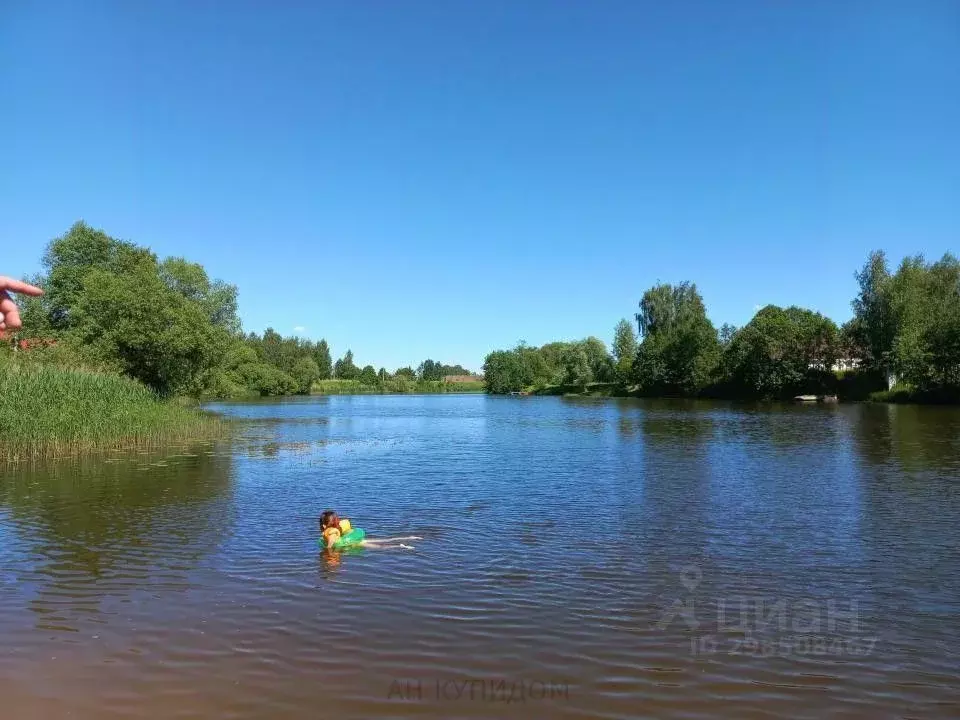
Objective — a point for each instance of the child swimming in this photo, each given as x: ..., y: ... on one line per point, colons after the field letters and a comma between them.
x: 332, y: 528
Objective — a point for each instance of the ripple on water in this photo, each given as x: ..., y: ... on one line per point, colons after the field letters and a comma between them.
x: 584, y: 547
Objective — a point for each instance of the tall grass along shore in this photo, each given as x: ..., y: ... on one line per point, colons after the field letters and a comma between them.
x: 48, y: 411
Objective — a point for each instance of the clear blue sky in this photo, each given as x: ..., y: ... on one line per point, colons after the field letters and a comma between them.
x: 437, y: 179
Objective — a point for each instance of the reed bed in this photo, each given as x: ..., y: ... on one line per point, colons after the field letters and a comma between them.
x: 48, y: 411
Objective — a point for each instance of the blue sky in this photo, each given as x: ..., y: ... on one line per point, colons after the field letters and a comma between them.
x: 438, y: 179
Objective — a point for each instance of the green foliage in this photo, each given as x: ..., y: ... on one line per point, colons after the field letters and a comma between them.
x: 680, y: 350
x: 624, y: 349
x: 926, y: 306
x: 549, y: 362
x: 36, y: 313
x: 155, y: 334
x: 429, y: 370
x: 217, y: 298
x: 906, y: 324
x: 345, y: 369
x: 163, y: 323
x: 577, y: 370
x: 267, y: 380
x: 773, y: 355
x: 115, y: 307
x: 71, y: 257
x: 395, y: 384
x: 859, y: 384
x: 909, y: 323
x: 909, y: 394
x: 271, y: 348
x: 433, y: 370
x: 598, y: 359
x: 577, y: 363
x: 368, y: 376
x: 727, y: 331
x: 505, y: 371
x: 298, y: 359
x: 321, y: 356
x: 305, y: 373
x: 873, y: 327
x: 610, y: 389
x: 49, y: 411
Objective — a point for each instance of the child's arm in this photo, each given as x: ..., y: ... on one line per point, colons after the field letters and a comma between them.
x: 330, y: 537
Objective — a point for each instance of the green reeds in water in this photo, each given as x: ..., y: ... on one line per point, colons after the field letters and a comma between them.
x: 47, y: 411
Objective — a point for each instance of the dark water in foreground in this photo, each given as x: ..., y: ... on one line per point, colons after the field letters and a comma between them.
x: 580, y: 559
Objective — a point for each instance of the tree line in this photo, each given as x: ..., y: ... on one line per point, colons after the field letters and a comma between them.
x: 112, y: 305
x: 905, y: 332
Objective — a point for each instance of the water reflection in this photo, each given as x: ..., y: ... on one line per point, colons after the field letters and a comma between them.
x: 85, y: 535
x: 555, y: 533
x: 676, y: 487
x: 911, y: 459
x: 915, y: 438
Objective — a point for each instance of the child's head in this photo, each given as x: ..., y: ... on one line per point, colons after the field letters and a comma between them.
x: 329, y: 519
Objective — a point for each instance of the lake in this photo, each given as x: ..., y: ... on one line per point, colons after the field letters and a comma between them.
x: 579, y: 558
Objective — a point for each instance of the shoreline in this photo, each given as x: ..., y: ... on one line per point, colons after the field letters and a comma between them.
x: 394, y: 386
x: 619, y: 390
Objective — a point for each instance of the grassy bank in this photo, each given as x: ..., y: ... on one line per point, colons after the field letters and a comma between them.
x: 393, y: 385
x: 47, y: 411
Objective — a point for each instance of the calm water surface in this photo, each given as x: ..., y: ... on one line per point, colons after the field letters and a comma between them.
x: 580, y: 559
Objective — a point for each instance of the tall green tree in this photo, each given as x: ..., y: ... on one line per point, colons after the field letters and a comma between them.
x: 71, y: 257
x: 151, y: 332
x: 680, y: 350
x: 429, y: 370
x: 874, y: 326
x: 505, y: 371
x: 906, y: 324
x: 551, y: 363
x: 368, y: 376
x: 271, y: 347
x: 925, y: 302
x: 577, y: 370
x: 305, y: 373
x: 321, y: 356
x: 624, y: 349
x: 345, y: 369
x: 599, y: 360
x: 727, y: 331
x: 534, y: 367
x: 217, y: 298
x: 778, y: 352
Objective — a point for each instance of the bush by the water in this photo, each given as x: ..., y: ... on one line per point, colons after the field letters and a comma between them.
x: 49, y: 411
